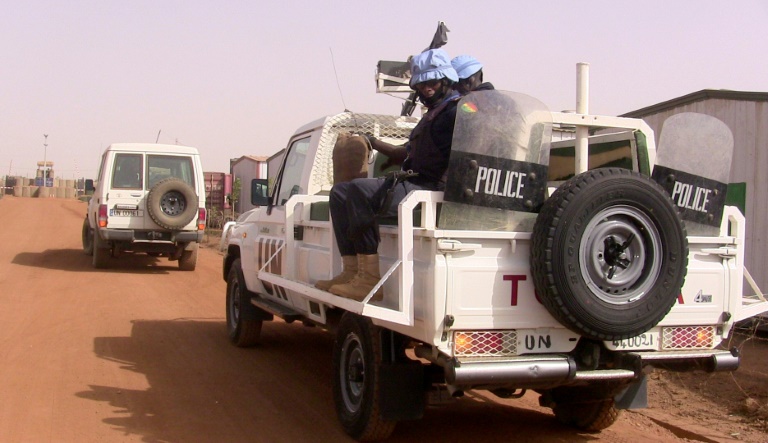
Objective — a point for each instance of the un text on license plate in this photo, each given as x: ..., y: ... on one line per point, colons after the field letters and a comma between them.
x: 124, y: 213
x: 647, y: 340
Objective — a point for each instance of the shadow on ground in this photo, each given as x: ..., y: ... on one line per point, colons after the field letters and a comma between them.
x: 201, y: 388
x: 74, y: 260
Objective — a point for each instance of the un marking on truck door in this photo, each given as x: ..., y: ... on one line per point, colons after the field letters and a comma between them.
x: 266, y: 249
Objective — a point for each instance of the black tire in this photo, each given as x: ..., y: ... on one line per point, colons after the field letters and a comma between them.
x: 243, y: 333
x: 87, y: 238
x: 188, y: 259
x: 101, y: 252
x: 356, y: 388
x: 172, y: 203
x: 588, y: 416
x: 609, y: 254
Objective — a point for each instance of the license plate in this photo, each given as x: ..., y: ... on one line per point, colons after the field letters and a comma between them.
x: 649, y: 340
x: 125, y: 213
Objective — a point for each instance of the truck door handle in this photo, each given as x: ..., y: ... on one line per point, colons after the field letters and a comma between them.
x: 455, y: 245
x: 722, y: 252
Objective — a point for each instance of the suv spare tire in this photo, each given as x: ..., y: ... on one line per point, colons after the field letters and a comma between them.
x: 172, y: 203
x: 609, y: 254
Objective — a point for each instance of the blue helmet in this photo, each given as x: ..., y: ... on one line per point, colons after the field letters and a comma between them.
x: 432, y: 64
x: 466, y: 66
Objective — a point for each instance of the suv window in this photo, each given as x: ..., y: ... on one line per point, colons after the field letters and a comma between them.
x: 292, y: 169
x: 160, y: 167
x: 127, y: 172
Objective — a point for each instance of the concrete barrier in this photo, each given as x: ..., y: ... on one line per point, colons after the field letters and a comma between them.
x: 17, y: 191
x: 43, y: 192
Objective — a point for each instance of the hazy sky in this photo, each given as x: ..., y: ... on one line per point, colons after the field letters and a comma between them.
x: 238, y: 77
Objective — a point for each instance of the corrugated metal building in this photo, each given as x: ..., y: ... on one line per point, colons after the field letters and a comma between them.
x: 746, y: 114
x: 246, y: 168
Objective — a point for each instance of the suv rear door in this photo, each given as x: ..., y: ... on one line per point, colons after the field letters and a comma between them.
x: 126, y: 191
x: 164, y: 166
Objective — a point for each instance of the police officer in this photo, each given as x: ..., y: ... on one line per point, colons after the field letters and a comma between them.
x: 355, y: 205
x: 470, y: 73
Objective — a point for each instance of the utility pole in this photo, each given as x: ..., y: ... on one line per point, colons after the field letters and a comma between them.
x: 45, y: 160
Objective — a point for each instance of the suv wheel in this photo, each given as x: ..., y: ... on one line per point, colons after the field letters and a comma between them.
x: 87, y: 238
x: 188, y: 259
x: 101, y: 252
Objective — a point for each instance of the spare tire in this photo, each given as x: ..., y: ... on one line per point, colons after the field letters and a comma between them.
x: 609, y: 254
x: 172, y: 203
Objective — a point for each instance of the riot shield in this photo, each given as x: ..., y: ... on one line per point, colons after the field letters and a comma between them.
x: 693, y: 164
x: 497, y: 174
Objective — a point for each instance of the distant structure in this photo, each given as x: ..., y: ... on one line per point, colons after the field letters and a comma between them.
x: 247, y: 168
x: 44, y: 175
x: 217, y: 186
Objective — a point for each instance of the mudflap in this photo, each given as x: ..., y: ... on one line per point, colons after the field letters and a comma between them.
x: 635, y: 396
x: 402, y: 386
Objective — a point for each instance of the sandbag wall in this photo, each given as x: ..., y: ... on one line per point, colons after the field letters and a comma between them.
x: 25, y: 187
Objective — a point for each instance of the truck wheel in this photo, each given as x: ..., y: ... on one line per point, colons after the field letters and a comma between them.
x: 609, y: 254
x: 188, y: 259
x: 100, y: 252
x: 243, y: 333
x: 591, y: 417
x: 356, y: 387
x: 87, y: 238
x: 172, y: 203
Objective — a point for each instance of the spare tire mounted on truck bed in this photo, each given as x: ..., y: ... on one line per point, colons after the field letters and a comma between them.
x: 609, y: 254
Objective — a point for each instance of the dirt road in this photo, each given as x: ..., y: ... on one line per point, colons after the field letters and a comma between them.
x: 138, y: 352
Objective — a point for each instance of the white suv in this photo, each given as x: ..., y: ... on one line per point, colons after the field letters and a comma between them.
x: 149, y: 198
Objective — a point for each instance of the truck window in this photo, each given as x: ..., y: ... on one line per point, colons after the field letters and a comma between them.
x: 290, y: 176
x: 127, y: 172
x: 614, y: 150
x: 160, y: 167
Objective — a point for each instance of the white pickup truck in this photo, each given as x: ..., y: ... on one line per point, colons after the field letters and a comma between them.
x: 523, y: 275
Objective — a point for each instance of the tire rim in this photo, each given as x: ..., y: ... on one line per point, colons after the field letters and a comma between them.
x: 618, y: 253
x: 234, y: 305
x: 173, y: 203
x: 352, y: 373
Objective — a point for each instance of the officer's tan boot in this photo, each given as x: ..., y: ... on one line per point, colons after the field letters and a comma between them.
x: 366, y: 278
x: 348, y: 272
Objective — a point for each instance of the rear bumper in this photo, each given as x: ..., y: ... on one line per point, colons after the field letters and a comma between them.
x: 554, y: 370
x: 135, y: 235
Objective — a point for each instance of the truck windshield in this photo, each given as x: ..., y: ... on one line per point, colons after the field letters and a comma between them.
x: 290, y: 177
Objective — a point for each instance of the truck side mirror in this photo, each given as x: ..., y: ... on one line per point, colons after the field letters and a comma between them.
x: 259, y: 194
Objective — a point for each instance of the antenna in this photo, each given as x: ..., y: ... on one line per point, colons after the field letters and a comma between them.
x: 158, y: 136
x: 333, y: 62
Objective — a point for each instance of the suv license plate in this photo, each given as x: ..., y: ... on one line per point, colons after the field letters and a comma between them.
x: 125, y: 213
